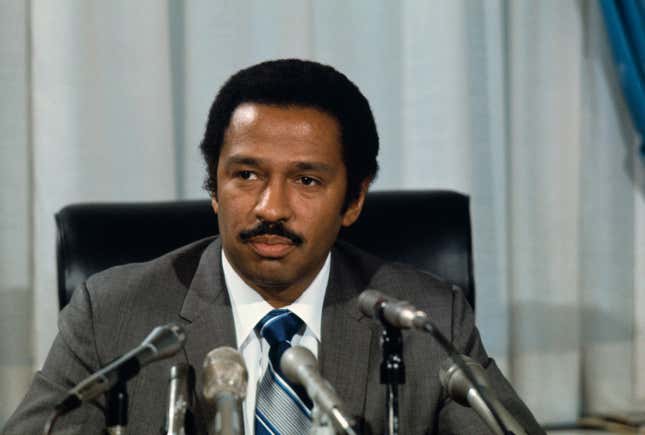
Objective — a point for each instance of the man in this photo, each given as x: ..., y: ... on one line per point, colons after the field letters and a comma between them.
x: 291, y: 149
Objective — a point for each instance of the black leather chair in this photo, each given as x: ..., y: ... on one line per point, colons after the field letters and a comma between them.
x: 428, y: 229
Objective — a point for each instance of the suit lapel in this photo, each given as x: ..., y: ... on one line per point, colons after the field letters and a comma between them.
x: 207, y: 308
x: 346, y: 337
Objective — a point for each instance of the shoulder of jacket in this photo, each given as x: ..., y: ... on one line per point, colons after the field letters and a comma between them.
x: 161, y: 279
x: 399, y: 280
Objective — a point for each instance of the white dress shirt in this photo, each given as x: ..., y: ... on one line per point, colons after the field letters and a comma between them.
x: 249, y: 308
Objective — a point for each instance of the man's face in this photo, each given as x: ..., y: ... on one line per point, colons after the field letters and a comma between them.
x: 281, y: 185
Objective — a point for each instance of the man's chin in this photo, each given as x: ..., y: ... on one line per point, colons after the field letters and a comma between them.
x: 271, y: 284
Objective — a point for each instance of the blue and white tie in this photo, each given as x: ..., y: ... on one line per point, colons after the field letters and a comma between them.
x: 281, y: 407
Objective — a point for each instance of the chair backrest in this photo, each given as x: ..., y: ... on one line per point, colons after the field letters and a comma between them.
x: 428, y: 229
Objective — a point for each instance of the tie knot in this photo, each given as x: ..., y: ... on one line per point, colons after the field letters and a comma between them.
x: 279, y: 326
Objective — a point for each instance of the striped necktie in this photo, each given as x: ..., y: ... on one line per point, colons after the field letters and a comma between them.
x: 281, y: 407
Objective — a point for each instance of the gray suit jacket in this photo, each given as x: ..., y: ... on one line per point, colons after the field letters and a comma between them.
x: 117, y: 308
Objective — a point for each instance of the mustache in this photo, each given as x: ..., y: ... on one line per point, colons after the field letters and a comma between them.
x: 273, y: 229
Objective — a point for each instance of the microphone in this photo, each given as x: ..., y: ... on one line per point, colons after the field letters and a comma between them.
x: 400, y: 314
x: 180, y: 400
x: 299, y: 365
x: 403, y: 315
x: 225, y: 380
x: 462, y: 391
x: 162, y: 342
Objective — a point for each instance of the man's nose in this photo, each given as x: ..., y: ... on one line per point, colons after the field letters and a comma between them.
x: 273, y: 204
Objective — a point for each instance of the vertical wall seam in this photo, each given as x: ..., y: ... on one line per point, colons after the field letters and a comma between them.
x: 312, y: 30
x: 31, y: 183
x: 506, y: 98
x: 176, y: 48
x: 583, y: 83
x: 402, y: 135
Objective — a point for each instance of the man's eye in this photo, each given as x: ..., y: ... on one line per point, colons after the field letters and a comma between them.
x: 246, y: 175
x: 308, y: 181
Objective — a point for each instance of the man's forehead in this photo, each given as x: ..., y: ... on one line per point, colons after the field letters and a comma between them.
x: 297, y: 137
x: 262, y: 123
x: 245, y: 113
x: 298, y: 118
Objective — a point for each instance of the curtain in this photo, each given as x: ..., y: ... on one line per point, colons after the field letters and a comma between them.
x: 625, y: 22
x: 16, y: 237
x: 514, y: 103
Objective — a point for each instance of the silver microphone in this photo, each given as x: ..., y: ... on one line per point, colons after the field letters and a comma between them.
x: 162, y: 342
x: 225, y: 381
x: 180, y: 400
x: 397, y: 313
x: 462, y: 391
x: 299, y: 365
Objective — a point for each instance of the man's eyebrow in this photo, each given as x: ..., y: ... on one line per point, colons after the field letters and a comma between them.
x: 256, y: 162
x: 313, y: 166
x: 243, y: 160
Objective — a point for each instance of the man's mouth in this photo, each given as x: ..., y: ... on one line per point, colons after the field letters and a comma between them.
x: 271, y: 239
x: 270, y: 246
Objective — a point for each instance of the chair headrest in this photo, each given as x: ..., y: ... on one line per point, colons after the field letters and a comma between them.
x: 428, y: 229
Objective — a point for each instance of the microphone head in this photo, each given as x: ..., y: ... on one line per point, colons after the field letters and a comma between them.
x: 369, y: 300
x: 164, y: 341
x: 294, y: 359
x: 300, y: 366
x: 456, y: 383
x: 224, y: 373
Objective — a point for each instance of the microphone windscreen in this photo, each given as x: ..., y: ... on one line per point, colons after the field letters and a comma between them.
x: 163, y: 341
x: 293, y: 360
x: 456, y: 383
x: 224, y: 372
x: 368, y: 301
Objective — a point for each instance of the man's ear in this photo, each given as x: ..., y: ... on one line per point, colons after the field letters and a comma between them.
x: 214, y: 203
x: 354, y: 208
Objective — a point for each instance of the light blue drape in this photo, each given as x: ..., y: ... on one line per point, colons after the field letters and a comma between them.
x: 625, y: 23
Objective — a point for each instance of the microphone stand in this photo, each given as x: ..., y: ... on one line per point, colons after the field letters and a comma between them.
x: 404, y: 315
x: 392, y: 372
x: 321, y: 424
x: 116, y: 409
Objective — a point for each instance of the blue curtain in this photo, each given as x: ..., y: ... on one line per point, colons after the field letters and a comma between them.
x: 625, y: 22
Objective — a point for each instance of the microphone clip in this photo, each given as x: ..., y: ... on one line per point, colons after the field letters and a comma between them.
x: 392, y: 370
x: 116, y: 409
x: 392, y: 364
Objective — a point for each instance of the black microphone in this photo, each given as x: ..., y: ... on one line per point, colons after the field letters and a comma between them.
x: 162, y: 342
x: 300, y: 366
x: 462, y: 391
x: 400, y: 314
x: 179, y: 420
x: 225, y: 381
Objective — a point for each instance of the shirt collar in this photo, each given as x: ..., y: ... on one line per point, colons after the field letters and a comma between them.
x: 249, y: 307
